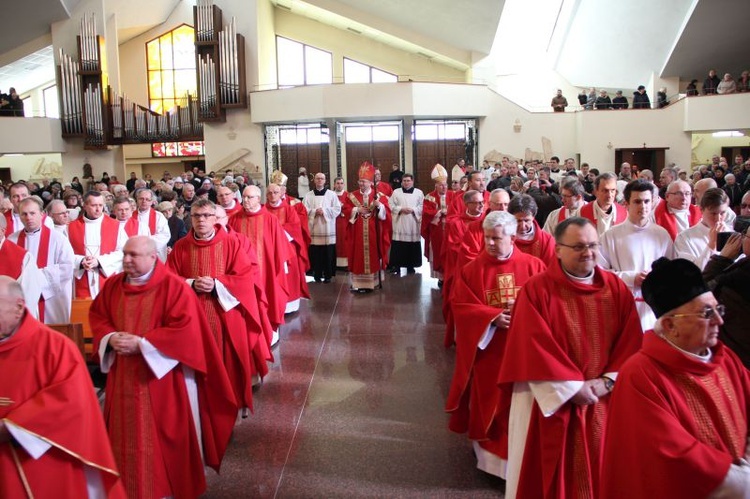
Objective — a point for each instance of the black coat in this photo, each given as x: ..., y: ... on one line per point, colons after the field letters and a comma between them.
x: 641, y: 101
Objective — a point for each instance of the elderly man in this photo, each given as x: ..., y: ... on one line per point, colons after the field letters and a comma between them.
x: 603, y: 212
x: 369, y: 218
x: 666, y: 177
x: 692, y: 391
x: 151, y: 222
x: 677, y: 214
x: 698, y: 243
x: 571, y: 192
x: 530, y: 238
x: 97, y: 242
x: 52, y: 434
x: 434, y: 215
x: 54, y: 258
x: 219, y: 270
x: 472, y: 242
x: 169, y: 406
x: 298, y: 260
x: 629, y: 249
x: 476, y: 183
x: 483, y: 297
x: 406, y: 209
x: 270, y: 243
x: 573, y: 326
x: 60, y: 216
x: 19, y: 192
x: 323, y: 209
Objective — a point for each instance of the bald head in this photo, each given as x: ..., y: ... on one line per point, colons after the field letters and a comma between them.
x: 139, y: 256
x: 499, y: 200
x: 12, y: 306
x: 701, y: 187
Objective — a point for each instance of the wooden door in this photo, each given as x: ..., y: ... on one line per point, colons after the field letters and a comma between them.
x: 313, y: 157
x: 651, y: 158
x: 427, y: 153
x: 382, y: 154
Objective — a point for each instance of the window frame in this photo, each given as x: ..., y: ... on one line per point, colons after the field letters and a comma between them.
x: 305, y: 76
x: 370, y: 70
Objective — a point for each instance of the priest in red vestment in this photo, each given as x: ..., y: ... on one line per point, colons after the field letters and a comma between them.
x: 278, y: 178
x: 299, y: 260
x: 473, y: 239
x: 476, y: 182
x: 271, y: 246
x: 677, y: 214
x: 382, y: 187
x: 97, y: 242
x: 678, y: 420
x: 218, y: 268
x: 573, y: 326
x: 531, y: 238
x: 169, y: 406
x: 53, y: 442
x: 369, y: 217
x: 123, y: 211
x: 342, y: 224
x: 17, y: 193
x: 455, y: 231
x: 434, y: 216
x: 226, y: 198
x: 483, y: 297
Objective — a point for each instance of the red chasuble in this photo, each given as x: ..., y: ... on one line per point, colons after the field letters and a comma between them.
x: 76, y: 233
x: 455, y: 230
x: 481, y: 292
x: 384, y: 188
x: 675, y: 423
x: 368, y: 238
x: 587, y: 211
x: 565, y: 331
x: 342, y: 224
x: 434, y: 234
x: 668, y: 220
x: 9, y: 226
x: 301, y: 211
x: 232, y: 211
x: 298, y: 261
x: 237, y: 331
x: 11, y: 259
x: 271, y: 247
x: 148, y: 419
x: 46, y: 390
x: 542, y: 246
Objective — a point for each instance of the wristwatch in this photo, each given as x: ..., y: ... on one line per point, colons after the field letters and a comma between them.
x: 609, y: 383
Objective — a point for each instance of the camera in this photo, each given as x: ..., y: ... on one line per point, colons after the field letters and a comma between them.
x: 741, y: 225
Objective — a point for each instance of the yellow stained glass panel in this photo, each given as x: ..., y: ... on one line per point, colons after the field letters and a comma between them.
x: 166, y: 51
x: 183, y: 40
x: 184, y: 82
x: 167, y: 84
x: 154, y: 85
x: 153, y: 60
x: 168, y: 104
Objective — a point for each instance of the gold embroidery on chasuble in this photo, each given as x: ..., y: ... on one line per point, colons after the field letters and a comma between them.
x: 715, y: 390
x: 209, y: 261
x: 505, y: 291
x: 365, y: 231
x: 130, y: 421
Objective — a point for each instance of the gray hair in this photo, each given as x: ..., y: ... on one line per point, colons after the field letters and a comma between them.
x: 501, y: 219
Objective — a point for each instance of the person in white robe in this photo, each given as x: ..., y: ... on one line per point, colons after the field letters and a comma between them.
x: 571, y: 191
x: 323, y: 207
x: 152, y: 223
x: 19, y: 192
x: 628, y: 249
x: 60, y: 216
x: 56, y: 279
x: 406, y: 205
x: 91, y: 262
x: 698, y: 243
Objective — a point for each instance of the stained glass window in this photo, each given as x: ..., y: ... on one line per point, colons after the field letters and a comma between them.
x: 171, y: 76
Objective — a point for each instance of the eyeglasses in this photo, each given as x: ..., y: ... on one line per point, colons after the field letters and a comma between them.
x: 65, y: 213
x: 744, y: 206
x: 682, y: 194
x: 474, y: 202
x: 580, y: 248
x: 202, y: 215
x: 708, y: 313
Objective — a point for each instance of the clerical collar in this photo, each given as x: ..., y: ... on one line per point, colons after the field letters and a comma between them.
x: 256, y: 210
x: 366, y: 193
x: 3, y: 339
x: 589, y: 279
x: 88, y: 220
x: 208, y: 237
x: 407, y: 191
x: 275, y: 205
x: 507, y: 257
x: 141, y: 280
x: 32, y: 232
x: 321, y: 192
x: 338, y: 193
x: 676, y: 211
x: 705, y: 358
x: 528, y: 236
x: 473, y: 216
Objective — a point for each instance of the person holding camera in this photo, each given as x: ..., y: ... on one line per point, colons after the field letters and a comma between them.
x: 728, y: 276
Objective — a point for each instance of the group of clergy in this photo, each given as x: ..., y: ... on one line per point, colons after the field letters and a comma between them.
x: 555, y: 383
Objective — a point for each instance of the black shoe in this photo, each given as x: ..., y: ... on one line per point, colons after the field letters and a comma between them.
x: 327, y: 280
x: 440, y: 284
x: 410, y: 270
x: 318, y: 279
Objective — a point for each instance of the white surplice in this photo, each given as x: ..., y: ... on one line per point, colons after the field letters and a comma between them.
x: 692, y: 244
x: 162, y: 235
x: 109, y: 263
x: 407, y: 226
x: 322, y: 227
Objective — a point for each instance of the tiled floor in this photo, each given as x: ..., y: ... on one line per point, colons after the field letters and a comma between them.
x: 353, y: 406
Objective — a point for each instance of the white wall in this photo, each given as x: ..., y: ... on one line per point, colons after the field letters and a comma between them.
x: 30, y: 135
x: 717, y: 112
x: 705, y: 145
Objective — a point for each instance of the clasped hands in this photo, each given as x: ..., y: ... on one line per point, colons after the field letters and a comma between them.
x: 590, y: 393
x: 125, y: 343
x: 89, y: 263
x: 204, y: 284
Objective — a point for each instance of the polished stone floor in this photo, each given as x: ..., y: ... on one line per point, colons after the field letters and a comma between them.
x: 353, y: 406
